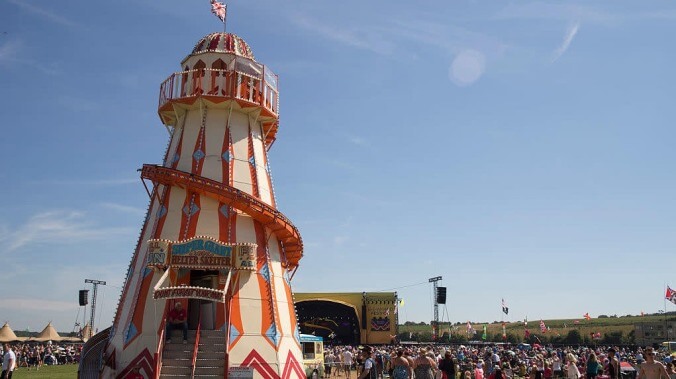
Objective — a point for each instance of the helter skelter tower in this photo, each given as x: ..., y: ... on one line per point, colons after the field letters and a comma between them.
x: 213, y: 238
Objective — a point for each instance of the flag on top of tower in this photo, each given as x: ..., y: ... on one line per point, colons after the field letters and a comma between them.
x: 504, y: 307
x: 671, y: 295
x: 219, y: 9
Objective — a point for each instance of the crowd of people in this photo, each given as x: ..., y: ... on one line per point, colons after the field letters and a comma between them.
x: 498, y: 362
x: 33, y: 355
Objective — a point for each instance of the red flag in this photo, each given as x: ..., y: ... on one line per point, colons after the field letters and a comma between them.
x: 526, y: 333
x: 671, y: 295
x: 219, y: 9
x: 587, y: 316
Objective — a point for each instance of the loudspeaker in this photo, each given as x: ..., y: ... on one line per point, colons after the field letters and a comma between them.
x: 441, y: 295
x: 84, y: 296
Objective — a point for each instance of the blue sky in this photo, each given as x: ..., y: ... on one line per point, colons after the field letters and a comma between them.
x: 521, y: 150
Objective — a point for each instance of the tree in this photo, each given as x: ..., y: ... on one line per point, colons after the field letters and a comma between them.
x: 573, y: 337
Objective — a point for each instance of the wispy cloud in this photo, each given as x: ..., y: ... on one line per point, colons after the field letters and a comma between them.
x: 8, y: 51
x: 38, y: 305
x: 124, y: 208
x: 556, y: 11
x: 78, y: 104
x: 356, y: 140
x: 10, y: 54
x: 42, y: 12
x: 60, y: 226
x: 567, y: 40
x: 92, y: 182
x: 361, y: 38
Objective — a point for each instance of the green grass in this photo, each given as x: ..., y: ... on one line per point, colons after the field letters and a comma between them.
x: 47, y: 372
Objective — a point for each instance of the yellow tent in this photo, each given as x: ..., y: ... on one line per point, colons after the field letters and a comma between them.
x: 7, y: 334
x: 47, y: 334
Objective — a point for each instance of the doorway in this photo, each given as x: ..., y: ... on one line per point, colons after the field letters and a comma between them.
x: 202, y: 308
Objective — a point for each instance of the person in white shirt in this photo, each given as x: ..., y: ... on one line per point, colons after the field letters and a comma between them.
x: 347, y: 362
x: 8, y: 362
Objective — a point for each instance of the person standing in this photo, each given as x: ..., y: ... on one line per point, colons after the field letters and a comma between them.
x: 572, y: 370
x: 177, y: 319
x: 424, y: 366
x: 613, y: 364
x: 347, y: 362
x: 370, y: 369
x: 8, y: 362
x: 592, y: 366
x: 328, y: 364
x: 447, y: 366
x: 650, y: 369
x: 401, y: 369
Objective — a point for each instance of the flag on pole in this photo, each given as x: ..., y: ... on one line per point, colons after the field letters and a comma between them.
x: 671, y: 295
x: 543, y: 327
x: 219, y: 9
x: 587, y: 316
x: 526, y: 333
x: 504, y: 307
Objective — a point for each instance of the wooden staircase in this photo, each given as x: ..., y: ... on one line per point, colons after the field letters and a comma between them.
x: 177, y: 356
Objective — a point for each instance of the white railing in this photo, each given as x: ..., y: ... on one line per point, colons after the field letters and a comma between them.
x: 256, y: 89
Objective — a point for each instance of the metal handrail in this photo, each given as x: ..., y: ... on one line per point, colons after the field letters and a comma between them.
x: 197, y: 342
x: 160, y: 349
x: 233, y: 84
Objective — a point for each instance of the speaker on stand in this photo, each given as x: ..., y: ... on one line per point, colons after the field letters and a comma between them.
x: 441, y: 295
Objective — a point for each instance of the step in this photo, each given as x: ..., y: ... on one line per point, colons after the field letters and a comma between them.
x: 179, y: 362
x: 216, y: 355
x: 210, y: 362
x: 176, y: 354
x: 176, y: 370
x: 179, y: 346
x: 200, y: 371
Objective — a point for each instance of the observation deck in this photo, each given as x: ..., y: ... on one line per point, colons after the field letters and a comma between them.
x: 247, y: 83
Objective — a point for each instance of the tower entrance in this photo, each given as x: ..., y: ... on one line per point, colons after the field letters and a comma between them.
x: 201, y: 308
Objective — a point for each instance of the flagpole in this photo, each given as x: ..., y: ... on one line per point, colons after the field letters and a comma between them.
x: 666, y: 329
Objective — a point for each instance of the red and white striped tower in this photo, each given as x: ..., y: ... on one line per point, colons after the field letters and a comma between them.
x: 213, y: 230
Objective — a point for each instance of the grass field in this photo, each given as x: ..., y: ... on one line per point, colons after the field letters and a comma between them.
x: 47, y: 372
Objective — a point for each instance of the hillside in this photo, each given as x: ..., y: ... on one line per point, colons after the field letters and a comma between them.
x: 608, y: 330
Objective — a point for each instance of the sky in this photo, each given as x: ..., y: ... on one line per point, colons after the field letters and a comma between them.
x: 522, y: 150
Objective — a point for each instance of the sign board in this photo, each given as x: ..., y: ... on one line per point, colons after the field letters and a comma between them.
x: 240, y: 372
x: 203, y: 253
x: 190, y: 292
